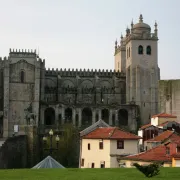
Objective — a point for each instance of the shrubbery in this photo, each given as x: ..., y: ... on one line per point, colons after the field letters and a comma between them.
x: 149, y: 170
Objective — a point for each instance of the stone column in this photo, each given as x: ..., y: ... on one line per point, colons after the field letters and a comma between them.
x: 93, y: 116
x: 131, y: 121
x: 100, y: 117
x: 138, y: 87
x: 110, y: 117
x: 116, y: 118
x: 80, y: 117
x: 37, y: 91
x: 6, y: 99
x: 127, y: 85
x: 42, y: 116
x: 62, y: 115
x: 153, y: 99
x: 57, y: 116
x: 74, y: 116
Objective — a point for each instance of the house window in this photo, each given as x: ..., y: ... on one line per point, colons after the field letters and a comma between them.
x: 167, y: 150
x: 92, y: 165
x: 22, y: 76
x: 82, y: 162
x: 148, y: 50
x: 89, y: 146
x: 101, y: 144
x: 140, y: 50
x: 178, y: 149
x: 120, y: 144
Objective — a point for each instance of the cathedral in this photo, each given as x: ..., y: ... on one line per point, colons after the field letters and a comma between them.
x: 30, y: 94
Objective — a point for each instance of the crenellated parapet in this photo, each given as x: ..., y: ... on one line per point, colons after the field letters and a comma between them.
x: 83, y: 73
x: 22, y: 53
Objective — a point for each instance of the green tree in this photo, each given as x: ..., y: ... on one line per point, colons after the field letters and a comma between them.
x: 68, y: 149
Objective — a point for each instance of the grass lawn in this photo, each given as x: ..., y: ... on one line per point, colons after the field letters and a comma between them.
x: 85, y: 174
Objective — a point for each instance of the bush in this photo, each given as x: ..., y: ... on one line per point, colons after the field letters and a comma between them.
x: 149, y: 170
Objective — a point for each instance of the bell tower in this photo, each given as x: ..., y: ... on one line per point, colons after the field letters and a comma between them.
x: 141, y: 66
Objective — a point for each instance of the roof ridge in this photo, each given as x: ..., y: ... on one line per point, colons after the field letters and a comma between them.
x: 161, y: 135
x: 149, y: 150
x: 112, y: 132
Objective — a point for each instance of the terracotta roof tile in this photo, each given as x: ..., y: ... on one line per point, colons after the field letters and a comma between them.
x: 175, y: 138
x: 164, y: 115
x: 176, y: 156
x: 110, y: 133
x: 156, y: 154
x: 145, y: 126
x: 163, y: 136
x: 167, y: 122
x: 163, y: 124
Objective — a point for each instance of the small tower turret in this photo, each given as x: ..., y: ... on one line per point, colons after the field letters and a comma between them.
x: 155, y: 29
x: 140, y: 18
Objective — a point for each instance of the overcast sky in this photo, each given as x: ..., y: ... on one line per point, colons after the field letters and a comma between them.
x: 81, y: 33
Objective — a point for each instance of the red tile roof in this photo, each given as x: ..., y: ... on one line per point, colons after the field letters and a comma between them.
x: 164, y: 115
x: 110, y: 133
x: 175, y: 138
x: 163, y: 124
x: 163, y: 136
x: 145, y: 126
x: 167, y: 122
x: 156, y: 154
x: 176, y: 156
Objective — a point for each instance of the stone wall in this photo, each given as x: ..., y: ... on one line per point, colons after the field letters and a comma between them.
x: 33, y: 145
x: 13, y: 153
x: 169, y: 97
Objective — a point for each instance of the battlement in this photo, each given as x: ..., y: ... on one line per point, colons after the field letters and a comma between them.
x: 22, y: 53
x: 83, y: 73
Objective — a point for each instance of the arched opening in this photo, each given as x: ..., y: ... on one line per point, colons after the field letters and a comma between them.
x: 140, y: 50
x: 68, y: 115
x: 123, y: 117
x: 86, y: 116
x: 60, y: 119
x: 105, y: 115
x: 148, y: 50
x: 49, y: 115
x: 77, y: 119
x: 22, y: 76
x: 113, y: 119
x: 129, y: 51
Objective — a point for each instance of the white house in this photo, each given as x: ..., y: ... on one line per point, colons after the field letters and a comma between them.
x: 101, y: 147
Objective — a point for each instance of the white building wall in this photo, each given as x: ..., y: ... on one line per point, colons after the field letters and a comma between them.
x: 130, y: 147
x: 95, y: 155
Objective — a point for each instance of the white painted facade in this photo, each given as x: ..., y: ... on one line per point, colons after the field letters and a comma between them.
x: 159, y: 120
x: 107, y: 154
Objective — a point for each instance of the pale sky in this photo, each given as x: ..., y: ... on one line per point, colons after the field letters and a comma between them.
x: 81, y: 33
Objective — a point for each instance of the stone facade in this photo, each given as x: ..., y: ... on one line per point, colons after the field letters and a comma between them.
x: 137, y: 56
x: 169, y: 97
x: 30, y: 94
x: 34, y: 95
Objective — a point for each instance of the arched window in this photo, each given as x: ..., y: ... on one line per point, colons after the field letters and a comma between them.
x: 140, y: 50
x: 22, y: 76
x: 148, y: 50
x: 129, y: 51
